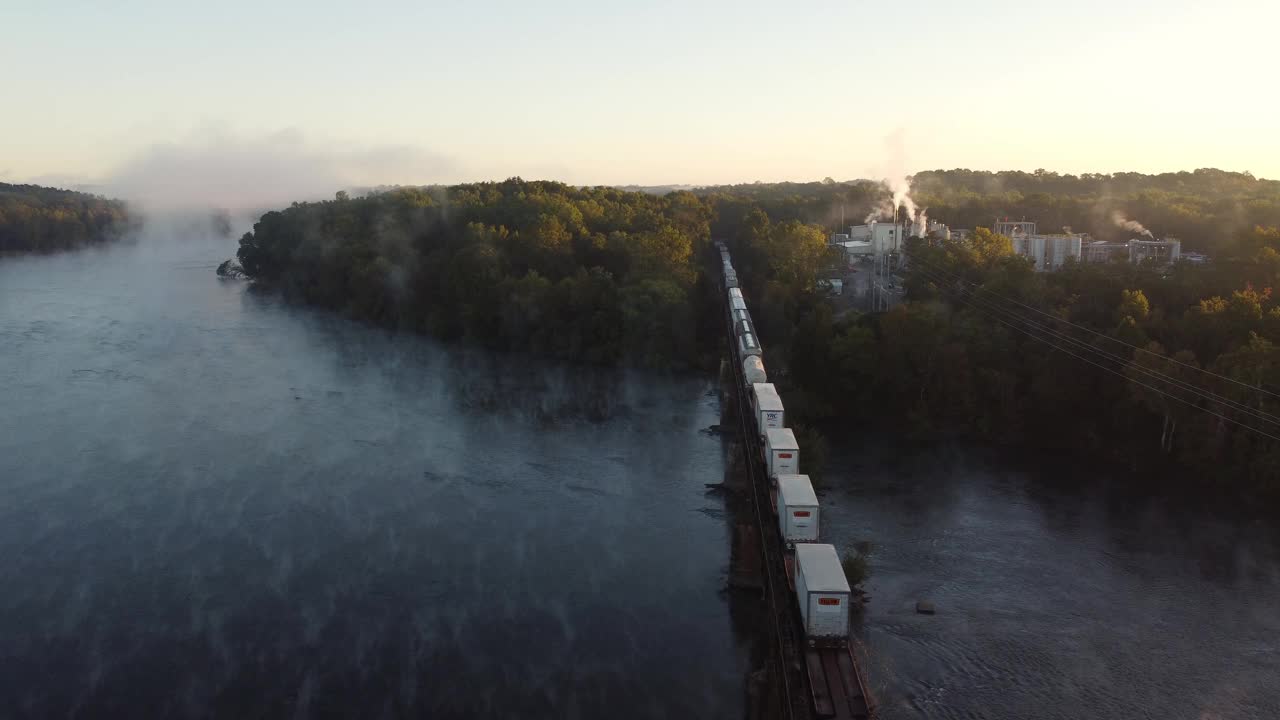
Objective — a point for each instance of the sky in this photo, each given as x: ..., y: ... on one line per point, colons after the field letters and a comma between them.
x: 240, y: 99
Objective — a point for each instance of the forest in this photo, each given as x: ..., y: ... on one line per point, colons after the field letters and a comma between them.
x: 1112, y: 360
x: 1202, y: 208
x: 40, y: 219
x: 585, y: 275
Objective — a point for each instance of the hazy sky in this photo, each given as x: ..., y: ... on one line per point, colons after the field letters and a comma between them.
x: 242, y: 95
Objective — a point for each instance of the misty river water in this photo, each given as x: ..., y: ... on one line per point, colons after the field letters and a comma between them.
x: 215, y: 504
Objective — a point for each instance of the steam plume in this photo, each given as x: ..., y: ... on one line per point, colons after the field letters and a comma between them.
x: 1120, y: 220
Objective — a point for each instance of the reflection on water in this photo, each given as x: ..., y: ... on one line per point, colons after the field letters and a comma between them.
x: 1058, y: 595
x: 215, y: 504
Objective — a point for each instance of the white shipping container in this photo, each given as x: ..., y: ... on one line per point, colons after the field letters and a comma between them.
x: 767, y: 407
x: 822, y: 592
x: 797, y: 509
x: 781, y: 452
x: 753, y: 370
x: 736, y: 304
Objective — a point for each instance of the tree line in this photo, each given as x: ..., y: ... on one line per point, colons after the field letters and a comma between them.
x: 602, y: 275
x: 1166, y: 371
x: 1203, y: 208
x: 40, y: 219
x: 593, y: 275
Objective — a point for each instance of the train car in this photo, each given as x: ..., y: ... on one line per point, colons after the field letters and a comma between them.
x: 781, y: 452
x: 731, y: 279
x: 735, y: 292
x: 798, y: 510
x: 767, y: 407
x: 822, y: 594
x: 753, y: 370
x: 749, y: 346
x: 736, y: 303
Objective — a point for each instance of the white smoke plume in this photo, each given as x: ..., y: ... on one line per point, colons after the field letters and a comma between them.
x: 1121, y: 221
x: 896, y: 181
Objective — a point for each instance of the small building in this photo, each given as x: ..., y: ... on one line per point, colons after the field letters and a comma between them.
x: 855, y: 250
x: 835, y: 286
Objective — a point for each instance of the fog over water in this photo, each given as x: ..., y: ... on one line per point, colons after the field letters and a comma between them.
x: 215, y: 504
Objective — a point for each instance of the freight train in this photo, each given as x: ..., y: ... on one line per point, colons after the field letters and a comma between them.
x: 820, y: 589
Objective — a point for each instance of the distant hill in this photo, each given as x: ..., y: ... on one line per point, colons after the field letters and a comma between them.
x: 41, y: 219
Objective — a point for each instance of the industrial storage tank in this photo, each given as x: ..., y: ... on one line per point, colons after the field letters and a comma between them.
x: 753, y: 370
x: 767, y: 407
x: 781, y: 452
x: 798, y: 516
x: 822, y: 592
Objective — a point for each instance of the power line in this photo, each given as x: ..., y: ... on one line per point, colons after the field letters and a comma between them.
x: 1168, y: 358
x: 1117, y: 372
x: 1202, y: 392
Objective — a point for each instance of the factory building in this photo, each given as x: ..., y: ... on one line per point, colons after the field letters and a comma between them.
x: 1014, y: 228
x: 884, y: 237
x: 1101, y: 252
x: 1048, y: 252
x: 1155, y: 251
x: 1045, y: 251
x: 1165, y: 251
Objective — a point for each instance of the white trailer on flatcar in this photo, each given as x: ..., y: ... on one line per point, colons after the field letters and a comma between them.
x: 781, y: 452
x: 822, y: 593
x: 798, y: 512
x: 767, y: 407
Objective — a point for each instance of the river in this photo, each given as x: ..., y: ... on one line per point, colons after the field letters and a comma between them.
x: 216, y: 504
x: 1059, y: 594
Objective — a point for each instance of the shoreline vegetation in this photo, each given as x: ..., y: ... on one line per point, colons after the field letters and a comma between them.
x: 36, y: 219
x: 609, y: 276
